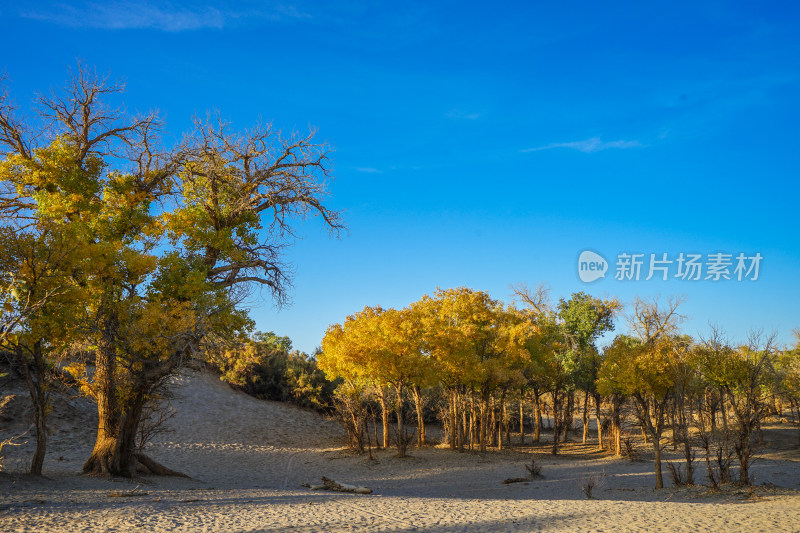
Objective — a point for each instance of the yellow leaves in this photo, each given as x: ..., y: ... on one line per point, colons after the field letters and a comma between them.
x: 458, y: 336
x: 79, y: 373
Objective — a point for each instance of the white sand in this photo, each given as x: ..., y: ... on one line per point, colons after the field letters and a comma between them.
x: 247, y: 459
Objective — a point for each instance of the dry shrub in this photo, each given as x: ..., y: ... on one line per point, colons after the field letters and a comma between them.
x: 534, y: 470
x: 676, y: 473
x: 589, y: 483
x: 629, y: 449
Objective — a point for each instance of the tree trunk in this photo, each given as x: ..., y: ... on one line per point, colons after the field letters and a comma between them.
x: 597, y: 400
x: 484, y: 419
x: 35, y: 377
x: 585, y: 416
x: 384, y: 415
x: 712, y: 407
x: 568, y: 420
x: 401, y: 435
x: 616, y: 427
x: 521, y: 418
x: 506, y: 419
x: 556, y: 424
x: 537, y: 414
x: 375, y: 429
x: 462, y: 438
x: 417, y: 396
x: 657, y: 462
x: 100, y: 461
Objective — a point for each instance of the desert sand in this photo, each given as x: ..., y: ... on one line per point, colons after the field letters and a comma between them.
x: 247, y: 459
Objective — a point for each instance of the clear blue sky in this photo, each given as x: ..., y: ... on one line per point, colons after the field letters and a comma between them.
x: 484, y: 144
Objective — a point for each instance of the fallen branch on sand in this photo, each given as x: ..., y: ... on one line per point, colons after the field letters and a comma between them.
x: 128, y: 494
x: 516, y: 480
x: 329, y: 484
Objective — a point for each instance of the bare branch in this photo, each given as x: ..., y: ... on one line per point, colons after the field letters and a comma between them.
x: 538, y: 301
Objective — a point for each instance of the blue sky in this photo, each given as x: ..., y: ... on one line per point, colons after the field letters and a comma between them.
x: 484, y: 144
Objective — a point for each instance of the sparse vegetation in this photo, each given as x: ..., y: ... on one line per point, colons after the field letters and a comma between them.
x: 534, y: 469
x: 589, y: 483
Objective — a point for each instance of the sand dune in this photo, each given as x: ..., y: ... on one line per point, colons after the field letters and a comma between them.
x: 247, y: 459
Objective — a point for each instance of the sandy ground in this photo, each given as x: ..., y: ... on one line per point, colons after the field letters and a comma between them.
x: 247, y: 459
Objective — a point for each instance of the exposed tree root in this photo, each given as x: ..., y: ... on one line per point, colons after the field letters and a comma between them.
x: 147, y: 465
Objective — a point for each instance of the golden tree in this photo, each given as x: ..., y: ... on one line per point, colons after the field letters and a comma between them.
x: 173, y: 237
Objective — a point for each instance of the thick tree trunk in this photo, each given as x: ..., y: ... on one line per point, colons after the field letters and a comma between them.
x: 115, y: 454
x: 99, y: 461
x: 114, y: 451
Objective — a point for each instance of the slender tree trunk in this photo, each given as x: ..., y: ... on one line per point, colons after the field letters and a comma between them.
x: 385, y: 415
x: 675, y: 429
x: 567, y: 419
x: 712, y: 407
x: 537, y: 414
x: 585, y: 416
x: 473, y: 421
x: 521, y: 418
x: 506, y: 419
x: 401, y: 433
x: 417, y: 396
x: 723, y: 411
x: 616, y: 427
x: 556, y: 424
x: 657, y: 463
x: 491, y: 421
x: 37, y: 387
x: 462, y: 439
x: 484, y: 419
x: 453, y: 421
x: 597, y: 400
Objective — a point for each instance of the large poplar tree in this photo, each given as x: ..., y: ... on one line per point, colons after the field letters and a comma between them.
x: 173, y: 238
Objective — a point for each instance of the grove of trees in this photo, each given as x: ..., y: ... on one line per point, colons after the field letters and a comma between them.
x: 479, y: 364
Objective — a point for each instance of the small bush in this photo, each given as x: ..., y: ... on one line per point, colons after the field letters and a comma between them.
x: 676, y: 473
x: 534, y: 470
x: 588, y: 484
x: 629, y: 449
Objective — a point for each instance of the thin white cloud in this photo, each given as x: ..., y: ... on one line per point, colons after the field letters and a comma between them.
x: 127, y: 14
x: 368, y: 170
x: 595, y: 144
